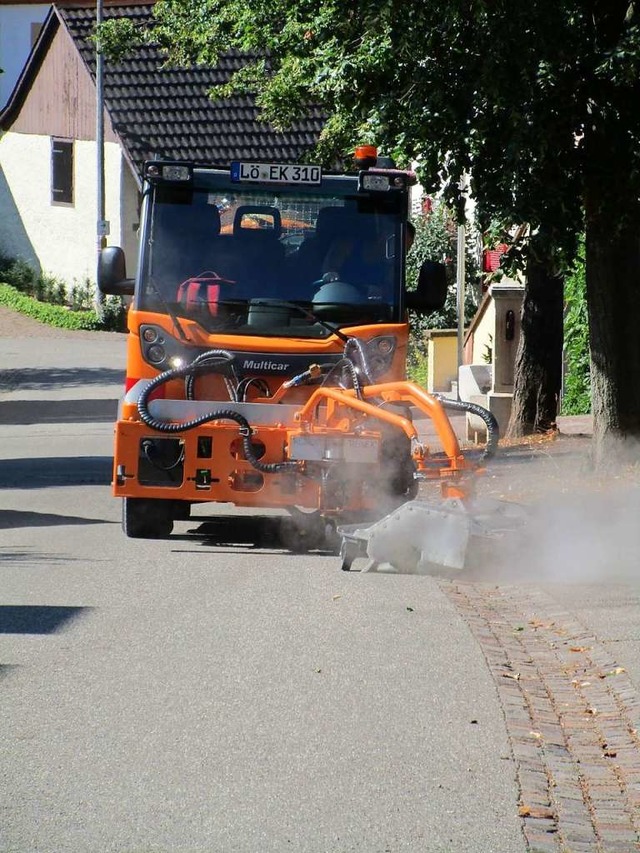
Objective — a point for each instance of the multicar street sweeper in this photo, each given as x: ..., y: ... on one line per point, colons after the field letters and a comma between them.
x: 266, y: 362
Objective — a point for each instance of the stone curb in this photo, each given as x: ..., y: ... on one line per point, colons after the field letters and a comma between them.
x: 572, y: 716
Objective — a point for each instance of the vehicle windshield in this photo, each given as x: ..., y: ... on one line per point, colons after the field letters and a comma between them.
x: 249, y: 261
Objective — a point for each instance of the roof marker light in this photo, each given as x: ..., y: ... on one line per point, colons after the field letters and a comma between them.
x: 378, y: 183
x: 176, y: 173
x: 179, y: 172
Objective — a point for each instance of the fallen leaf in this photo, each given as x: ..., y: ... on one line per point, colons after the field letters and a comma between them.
x: 579, y: 648
x: 536, y: 735
x: 617, y: 671
x: 336, y: 597
x: 536, y: 811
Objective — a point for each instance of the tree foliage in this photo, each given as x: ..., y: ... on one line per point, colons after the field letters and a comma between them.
x: 576, y: 398
x: 436, y: 240
x: 117, y: 38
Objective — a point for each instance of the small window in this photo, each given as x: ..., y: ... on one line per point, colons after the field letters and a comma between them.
x: 61, y: 171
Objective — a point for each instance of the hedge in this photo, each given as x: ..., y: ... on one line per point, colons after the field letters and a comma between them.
x: 53, y: 315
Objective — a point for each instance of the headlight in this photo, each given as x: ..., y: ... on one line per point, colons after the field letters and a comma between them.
x: 156, y: 354
x: 380, y: 351
x: 160, y: 349
x: 149, y: 334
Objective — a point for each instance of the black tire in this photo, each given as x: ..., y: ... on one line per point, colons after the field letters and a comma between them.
x: 181, y: 510
x: 146, y: 518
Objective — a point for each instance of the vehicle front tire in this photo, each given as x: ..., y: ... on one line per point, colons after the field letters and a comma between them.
x: 147, y: 518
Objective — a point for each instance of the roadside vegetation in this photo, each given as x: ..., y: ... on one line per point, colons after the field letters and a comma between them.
x: 436, y: 240
x: 52, y: 301
x: 576, y: 394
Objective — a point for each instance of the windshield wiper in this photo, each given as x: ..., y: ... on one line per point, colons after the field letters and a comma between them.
x: 306, y: 312
x: 169, y: 310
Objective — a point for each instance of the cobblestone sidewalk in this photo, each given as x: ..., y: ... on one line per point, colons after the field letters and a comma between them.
x: 572, y: 716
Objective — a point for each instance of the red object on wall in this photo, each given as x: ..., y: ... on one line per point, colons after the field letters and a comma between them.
x: 491, y: 257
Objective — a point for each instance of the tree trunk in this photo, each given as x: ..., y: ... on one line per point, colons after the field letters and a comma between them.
x: 613, y: 302
x: 538, y: 367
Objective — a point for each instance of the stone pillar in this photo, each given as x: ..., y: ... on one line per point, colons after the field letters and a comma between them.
x: 507, y: 296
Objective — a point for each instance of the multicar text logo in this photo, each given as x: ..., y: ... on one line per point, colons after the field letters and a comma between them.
x: 250, y: 364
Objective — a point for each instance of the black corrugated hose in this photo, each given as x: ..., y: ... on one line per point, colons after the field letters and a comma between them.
x: 493, y: 429
x: 193, y: 370
x: 221, y: 358
x: 362, y: 357
x: 348, y: 365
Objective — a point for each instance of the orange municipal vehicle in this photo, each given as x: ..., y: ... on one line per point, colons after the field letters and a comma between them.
x: 267, y: 347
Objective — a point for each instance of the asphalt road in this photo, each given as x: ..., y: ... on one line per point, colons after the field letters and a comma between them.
x: 185, y: 696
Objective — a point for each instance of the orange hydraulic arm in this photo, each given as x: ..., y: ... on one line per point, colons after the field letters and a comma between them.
x: 389, y: 392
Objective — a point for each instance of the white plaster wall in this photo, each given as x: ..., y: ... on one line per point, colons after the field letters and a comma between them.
x: 62, y: 237
x: 484, y: 334
x: 15, y: 42
x: 130, y: 219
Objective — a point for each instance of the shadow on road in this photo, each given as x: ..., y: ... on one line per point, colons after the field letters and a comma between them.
x: 12, y: 518
x: 55, y: 471
x: 43, y: 378
x: 231, y: 534
x: 35, y: 619
x: 10, y: 555
x: 57, y: 411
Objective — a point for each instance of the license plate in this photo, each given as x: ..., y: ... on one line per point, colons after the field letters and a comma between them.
x: 275, y: 173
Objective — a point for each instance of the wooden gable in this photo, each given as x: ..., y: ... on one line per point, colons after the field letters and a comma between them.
x: 61, y: 100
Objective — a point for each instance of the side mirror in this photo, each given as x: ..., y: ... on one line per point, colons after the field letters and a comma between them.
x: 431, y: 293
x: 112, y: 274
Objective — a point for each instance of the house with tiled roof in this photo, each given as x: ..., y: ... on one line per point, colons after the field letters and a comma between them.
x: 48, y: 153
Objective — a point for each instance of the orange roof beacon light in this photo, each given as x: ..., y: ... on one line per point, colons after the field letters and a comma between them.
x: 365, y: 156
